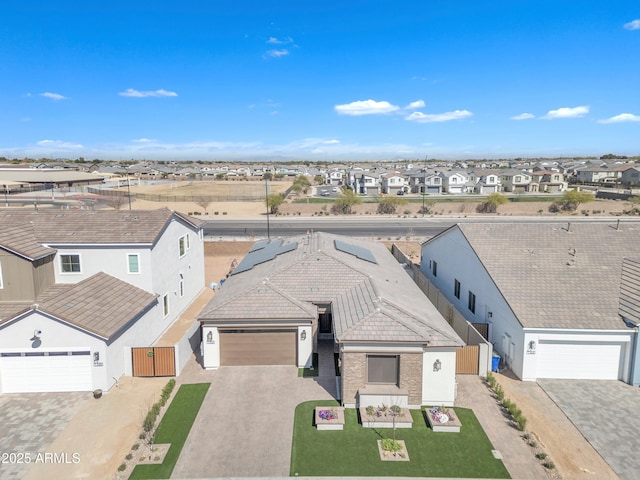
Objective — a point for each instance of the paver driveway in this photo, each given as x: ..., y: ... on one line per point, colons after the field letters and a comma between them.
x: 29, y: 422
x: 606, y: 413
x: 245, y: 425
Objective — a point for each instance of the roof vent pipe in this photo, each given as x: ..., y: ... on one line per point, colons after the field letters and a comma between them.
x: 618, y: 225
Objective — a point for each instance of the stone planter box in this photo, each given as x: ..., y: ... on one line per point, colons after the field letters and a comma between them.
x: 332, y: 424
x: 385, y: 419
x: 453, y: 424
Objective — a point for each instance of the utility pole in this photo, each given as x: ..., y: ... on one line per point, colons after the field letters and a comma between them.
x: 128, y: 191
x: 266, y: 189
x: 424, y: 183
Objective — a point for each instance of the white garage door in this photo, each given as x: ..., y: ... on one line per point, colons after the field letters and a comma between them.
x: 579, y: 360
x: 46, y: 371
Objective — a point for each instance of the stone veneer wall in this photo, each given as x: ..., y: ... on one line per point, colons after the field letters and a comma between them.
x: 354, y: 376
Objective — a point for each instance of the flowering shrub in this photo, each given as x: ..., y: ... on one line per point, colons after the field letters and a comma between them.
x: 440, y: 415
x: 327, y: 415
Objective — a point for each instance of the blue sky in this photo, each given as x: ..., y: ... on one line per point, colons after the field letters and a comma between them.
x: 319, y: 80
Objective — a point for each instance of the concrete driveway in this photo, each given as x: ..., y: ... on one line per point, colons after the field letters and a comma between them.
x: 30, y: 422
x: 606, y: 413
x: 245, y: 425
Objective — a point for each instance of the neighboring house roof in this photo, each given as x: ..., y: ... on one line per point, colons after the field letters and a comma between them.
x: 101, y: 304
x: 372, y: 297
x: 630, y: 290
x: 21, y: 240
x: 556, y: 275
x: 94, y: 227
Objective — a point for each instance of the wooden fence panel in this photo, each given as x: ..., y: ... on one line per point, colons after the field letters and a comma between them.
x: 153, y: 361
x: 467, y: 360
x: 142, y: 362
x: 483, y: 329
x: 164, y: 361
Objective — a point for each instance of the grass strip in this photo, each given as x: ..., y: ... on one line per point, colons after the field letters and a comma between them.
x: 174, y: 428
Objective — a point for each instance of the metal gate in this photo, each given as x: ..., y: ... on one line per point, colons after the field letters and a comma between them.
x: 467, y: 360
x: 153, y: 361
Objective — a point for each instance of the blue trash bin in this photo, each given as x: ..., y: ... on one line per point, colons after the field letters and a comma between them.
x: 495, y: 362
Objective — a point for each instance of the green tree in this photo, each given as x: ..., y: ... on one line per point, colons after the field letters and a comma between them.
x: 273, y: 202
x: 318, y: 179
x: 267, y: 176
x: 389, y: 205
x: 571, y: 199
x: 492, y: 203
x: 345, y: 202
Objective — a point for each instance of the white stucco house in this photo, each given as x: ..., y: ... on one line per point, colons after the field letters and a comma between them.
x: 550, y: 292
x: 79, y: 289
x: 393, y: 344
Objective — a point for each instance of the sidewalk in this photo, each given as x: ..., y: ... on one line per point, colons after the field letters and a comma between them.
x: 516, y: 454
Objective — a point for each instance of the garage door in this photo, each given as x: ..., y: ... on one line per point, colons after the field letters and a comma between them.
x: 579, y: 360
x: 46, y: 371
x: 258, y: 347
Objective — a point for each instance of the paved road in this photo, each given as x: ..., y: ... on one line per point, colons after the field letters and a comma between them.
x: 361, y: 226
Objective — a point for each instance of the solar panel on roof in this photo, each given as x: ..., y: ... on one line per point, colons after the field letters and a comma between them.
x: 355, y: 250
x: 265, y: 254
x: 259, y: 245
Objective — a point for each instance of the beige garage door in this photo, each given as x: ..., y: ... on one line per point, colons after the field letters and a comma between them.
x: 258, y: 347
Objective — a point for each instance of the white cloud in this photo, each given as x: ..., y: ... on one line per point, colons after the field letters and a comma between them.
x: 278, y: 41
x: 622, y: 118
x: 53, y: 96
x: 365, y: 107
x: 567, y: 112
x: 49, y: 144
x: 277, y: 53
x: 420, y: 117
x: 523, y: 116
x: 131, y: 92
x: 633, y: 24
x: 144, y: 140
x: 414, y: 105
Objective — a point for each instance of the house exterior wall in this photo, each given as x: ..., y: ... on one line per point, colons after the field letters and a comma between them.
x: 490, y: 307
x: 23, y: 280
x: 168, y: 268
x: 354, y: 372
x: 437, y: 387
x: 55, y: 336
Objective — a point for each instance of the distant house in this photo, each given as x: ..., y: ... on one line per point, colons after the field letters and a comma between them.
x: 393, y: 182
x: 454, y: 181
x: 551, y: 294
x: 516, y: 181
x: 630, y: 176
x: 353, y: 293
x: 484, y: 181
x: 79, y: 289
x: 549, y: 181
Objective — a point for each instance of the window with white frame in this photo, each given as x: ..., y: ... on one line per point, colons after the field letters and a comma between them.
x: 133, y: 263
x: 70, y: 263
x: 165, y: 304
x: 383, y: 369
x: 456, y: 288
x: 188, y: 241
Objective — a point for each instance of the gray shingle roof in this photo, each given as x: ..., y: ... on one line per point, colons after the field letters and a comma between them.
x: 370, y: 301
x: 101, y: 226
x: 630, y: 290
x: 555, y: 275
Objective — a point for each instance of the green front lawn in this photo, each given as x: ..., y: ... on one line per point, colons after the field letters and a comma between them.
x: 174, y: 429
x: 308, y: 372
x: 354, y: 451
